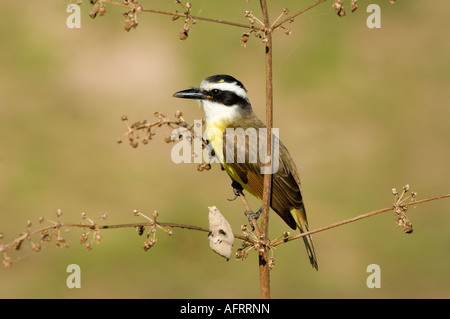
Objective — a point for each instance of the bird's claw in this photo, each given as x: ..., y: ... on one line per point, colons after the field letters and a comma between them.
x: 237, y: 190
x: 251, y: 215
x: 236, y: 193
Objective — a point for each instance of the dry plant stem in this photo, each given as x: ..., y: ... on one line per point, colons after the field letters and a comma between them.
x: 347, y: 221
x: 291, y: 17
x: 96, y: 227
x: 178, y: 14
x: 264, y: 271
x: 249, y: 209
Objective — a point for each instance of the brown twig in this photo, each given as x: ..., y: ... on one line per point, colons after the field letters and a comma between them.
x: 249, y: 210
x: 264, y: 271
x: 291, y: 17
x: 184, y: 15
x: 353, y: 219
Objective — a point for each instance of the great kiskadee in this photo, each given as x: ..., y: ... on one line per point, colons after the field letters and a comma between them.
x: 227, y: 106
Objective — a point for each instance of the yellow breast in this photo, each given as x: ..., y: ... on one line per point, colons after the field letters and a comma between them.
x: 214, y: 134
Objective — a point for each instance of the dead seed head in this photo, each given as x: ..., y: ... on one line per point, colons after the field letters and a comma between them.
x: 404, y: 223
x: 183, y: 34
x: 35, y: 247
x: 338, y: 5
x: 61, y: 242
x: 17, y: 243
x: 101, y: 10
x: 97, y: 237
x: 149, y: 243
x: 140, y: 230
x: 7, y: 262
x: 353, y: 5
x: 244, y: 39
x: 130, y: 24
x: 241, y: 254
x: 271, y: 263
x: 83, y: 238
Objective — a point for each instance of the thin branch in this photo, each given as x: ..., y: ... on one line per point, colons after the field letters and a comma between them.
x: 350, y: 220
x: 291, y: 17
x: 251, y: 242
x: 185, y: 15
x: 249, y: 210
x: 264, y: 271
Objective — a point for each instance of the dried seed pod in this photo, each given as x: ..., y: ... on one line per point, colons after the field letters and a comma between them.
x: 102, y: 10
x: 83, y: 238
x: 338, y: 5
x: 140, y: 230
x: 244, y: 39
x: 353, y: 5
x: 183, y: 34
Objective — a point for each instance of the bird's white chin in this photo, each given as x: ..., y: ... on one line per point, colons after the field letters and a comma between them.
x: 215, y: 112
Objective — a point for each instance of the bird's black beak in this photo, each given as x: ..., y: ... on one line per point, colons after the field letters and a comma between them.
x: 195, y: 94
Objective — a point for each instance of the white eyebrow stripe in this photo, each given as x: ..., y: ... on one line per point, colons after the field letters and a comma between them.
x: 225, y: 86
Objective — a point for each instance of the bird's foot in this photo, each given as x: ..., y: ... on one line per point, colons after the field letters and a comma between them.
x: 237, y: 190
x: 251, y: 215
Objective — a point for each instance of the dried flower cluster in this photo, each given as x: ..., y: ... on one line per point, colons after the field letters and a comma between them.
x: 260, y: 31
x: 47, y: 233
x: 131, y: 22
x: 400, y: 209
x: 251, y: 241
x: 98, y: 8
x: 131, y: 16
x: 338, y: 5
x: 88, y: 238
x: 96, y: 236
x: 151, y: 234
x: 144, y: 131
x: 188, y: 20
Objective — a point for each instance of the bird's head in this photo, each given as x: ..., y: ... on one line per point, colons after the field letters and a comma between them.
x: 223, y: 98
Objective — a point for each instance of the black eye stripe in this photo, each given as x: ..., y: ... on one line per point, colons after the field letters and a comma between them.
x: 227, y: 98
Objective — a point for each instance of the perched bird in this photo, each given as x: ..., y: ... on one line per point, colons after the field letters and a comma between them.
x: 229, y: 117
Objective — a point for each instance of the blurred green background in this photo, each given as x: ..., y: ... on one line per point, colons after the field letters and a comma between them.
x: 361, y: 110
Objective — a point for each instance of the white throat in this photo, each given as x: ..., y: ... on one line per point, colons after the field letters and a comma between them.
x: 219, y: 113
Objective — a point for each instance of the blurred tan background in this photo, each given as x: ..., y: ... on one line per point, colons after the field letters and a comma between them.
x: 361, y: 111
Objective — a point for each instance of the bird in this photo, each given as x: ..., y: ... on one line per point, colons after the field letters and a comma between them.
x: 229, y: 117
